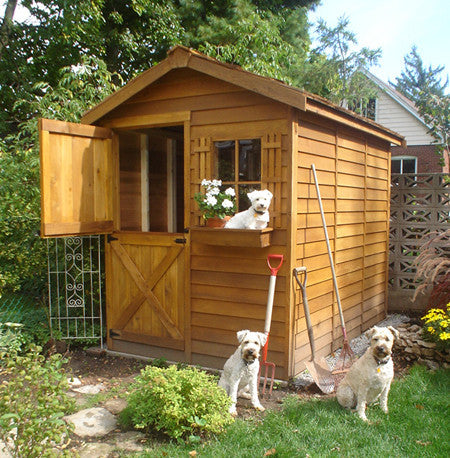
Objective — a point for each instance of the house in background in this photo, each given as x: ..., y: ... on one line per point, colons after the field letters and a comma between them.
x: 396, y: 112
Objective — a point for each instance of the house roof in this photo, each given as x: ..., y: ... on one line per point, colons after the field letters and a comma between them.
x: 407, y: 104
x: 182, y: 57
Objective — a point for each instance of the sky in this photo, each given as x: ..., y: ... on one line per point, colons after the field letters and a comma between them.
x: 393, y: 25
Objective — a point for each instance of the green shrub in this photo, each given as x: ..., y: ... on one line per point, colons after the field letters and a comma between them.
x: 182, y: 403
x: 33, y: 400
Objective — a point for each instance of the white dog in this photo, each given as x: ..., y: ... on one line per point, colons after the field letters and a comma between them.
x: 370, y: 376
x: 257, y: 216
x: 240, y: 373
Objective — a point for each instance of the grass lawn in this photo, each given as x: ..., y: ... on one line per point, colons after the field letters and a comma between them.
x: 418, y: 425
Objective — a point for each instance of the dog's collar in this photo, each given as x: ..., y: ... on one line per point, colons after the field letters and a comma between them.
x: 259, y: 212
x: 382, y: 362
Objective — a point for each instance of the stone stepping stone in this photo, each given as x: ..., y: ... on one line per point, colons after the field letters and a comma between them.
x: 93, y: 422
x: 89, y: 389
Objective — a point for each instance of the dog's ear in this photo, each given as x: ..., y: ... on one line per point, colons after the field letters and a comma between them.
x: 394, y: 332
x: 251, y: 195
x: 370, y: 332
x: 241, y: 335
x: 262, y: 338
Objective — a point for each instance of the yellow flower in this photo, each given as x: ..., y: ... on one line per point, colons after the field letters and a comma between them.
x: 444, y: 335
x: 430, y: 330
x: 443, y: 323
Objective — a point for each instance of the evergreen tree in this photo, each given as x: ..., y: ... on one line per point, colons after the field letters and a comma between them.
x: 416, y: 80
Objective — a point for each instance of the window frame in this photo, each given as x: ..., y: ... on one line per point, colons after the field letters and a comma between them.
x: 402, y: 158
x: 236, y: 182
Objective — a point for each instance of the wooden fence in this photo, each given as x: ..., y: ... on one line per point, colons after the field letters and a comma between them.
x: 420, y: 204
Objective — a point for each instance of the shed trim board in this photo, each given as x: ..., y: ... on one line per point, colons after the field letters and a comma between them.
x: 180, y: 290
x: 180, y: 57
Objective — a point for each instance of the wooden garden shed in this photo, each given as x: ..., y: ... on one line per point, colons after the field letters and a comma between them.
x: 179, y: 290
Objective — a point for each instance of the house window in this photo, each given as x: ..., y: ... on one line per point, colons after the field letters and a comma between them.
x: 404, y: 164
x: 238, y: 164
x: 366, y: 108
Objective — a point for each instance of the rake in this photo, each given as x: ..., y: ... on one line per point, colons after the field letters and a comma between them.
x: 346, y: 356
x: 272, y: 283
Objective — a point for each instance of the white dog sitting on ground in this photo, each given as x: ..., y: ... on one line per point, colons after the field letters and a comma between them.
x: 370, y: 376
x: 257, y: 216
x: 240, y: 373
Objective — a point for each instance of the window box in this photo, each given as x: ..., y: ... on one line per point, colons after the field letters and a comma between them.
x: 252, y: 238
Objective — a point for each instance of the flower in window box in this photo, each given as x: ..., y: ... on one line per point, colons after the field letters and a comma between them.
x: 213, y: 202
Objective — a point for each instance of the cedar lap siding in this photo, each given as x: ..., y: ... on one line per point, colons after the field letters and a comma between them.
x: 183, y: 294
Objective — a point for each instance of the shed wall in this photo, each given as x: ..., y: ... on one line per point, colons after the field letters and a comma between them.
x: 228, y: 285
x: 353, y: 174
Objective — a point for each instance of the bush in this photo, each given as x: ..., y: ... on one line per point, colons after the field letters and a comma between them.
x: 33, y: 400
x: 437, y: 327
x: 182, y: 403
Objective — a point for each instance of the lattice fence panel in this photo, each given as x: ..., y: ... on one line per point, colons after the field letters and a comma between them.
x: 420, y: 204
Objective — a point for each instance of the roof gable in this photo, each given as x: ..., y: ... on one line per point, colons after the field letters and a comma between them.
x: 182, y: 57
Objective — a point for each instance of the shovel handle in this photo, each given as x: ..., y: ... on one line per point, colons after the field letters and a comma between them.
x: 274, y: 270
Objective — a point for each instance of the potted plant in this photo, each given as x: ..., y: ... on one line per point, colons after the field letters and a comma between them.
x: 217, y: 206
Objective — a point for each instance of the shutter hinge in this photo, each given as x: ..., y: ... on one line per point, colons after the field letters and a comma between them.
x: 110, y: 238
x: 182, y: 241
x: 114, y: 333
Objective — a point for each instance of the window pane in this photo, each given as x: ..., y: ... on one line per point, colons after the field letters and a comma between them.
x: 224, y: 152
x: 409, y: 165
x: 395, y: 166
x: 244, y: 201
x: 250, y: 160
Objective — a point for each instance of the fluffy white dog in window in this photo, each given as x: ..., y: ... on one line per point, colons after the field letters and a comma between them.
x: 240, y: 373
x: 257, y: 216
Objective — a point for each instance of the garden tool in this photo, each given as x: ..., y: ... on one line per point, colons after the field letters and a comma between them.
x: 272, y: 283
x: 318, y: 368
x: 346, y: 355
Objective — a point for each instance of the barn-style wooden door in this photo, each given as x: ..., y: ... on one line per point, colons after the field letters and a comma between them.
x: 145, y: 287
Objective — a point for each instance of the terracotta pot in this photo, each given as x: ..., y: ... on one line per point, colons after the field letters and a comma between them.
x: 217, y: 222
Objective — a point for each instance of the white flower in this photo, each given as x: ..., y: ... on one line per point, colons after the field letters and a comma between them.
x: 216, y: 182
x: 206, y: 182
x: 213, y: 191
x: 210, y: 200
x: 227, y: 203
x: 230, y: 192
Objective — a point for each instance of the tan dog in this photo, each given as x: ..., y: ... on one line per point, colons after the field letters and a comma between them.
x: 370, y: 376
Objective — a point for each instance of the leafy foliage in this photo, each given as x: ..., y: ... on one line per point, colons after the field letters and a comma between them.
x: 339, y: 77
x: 183, y: 403
x: 426, y: 88
x: 33, y: 401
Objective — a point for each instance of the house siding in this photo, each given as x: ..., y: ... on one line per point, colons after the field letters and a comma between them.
x: 395, y: 117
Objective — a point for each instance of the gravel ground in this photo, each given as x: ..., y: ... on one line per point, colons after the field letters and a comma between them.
x: 358, y: 345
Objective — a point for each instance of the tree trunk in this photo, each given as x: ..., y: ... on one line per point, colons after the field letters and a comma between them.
x: 7, y: 19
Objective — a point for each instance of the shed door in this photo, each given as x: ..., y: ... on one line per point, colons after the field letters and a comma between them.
x: 145, y: 289
x: 76, y: 179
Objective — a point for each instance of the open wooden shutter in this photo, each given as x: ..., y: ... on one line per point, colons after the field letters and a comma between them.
x: 76, y: 179
x: 200, y: 168
x: 271, y: 173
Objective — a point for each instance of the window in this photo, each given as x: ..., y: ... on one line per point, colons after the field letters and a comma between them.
x: 238, y: 164
x: 366, y: 108
x: 404, y: 164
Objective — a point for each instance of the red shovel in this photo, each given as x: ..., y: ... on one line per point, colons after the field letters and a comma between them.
x: 272, y: 282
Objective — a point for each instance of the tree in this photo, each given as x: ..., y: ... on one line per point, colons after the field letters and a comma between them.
x: 6, y: 24
x: 426, y: 88
x: 416, y: 80
x: 334, y: 69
